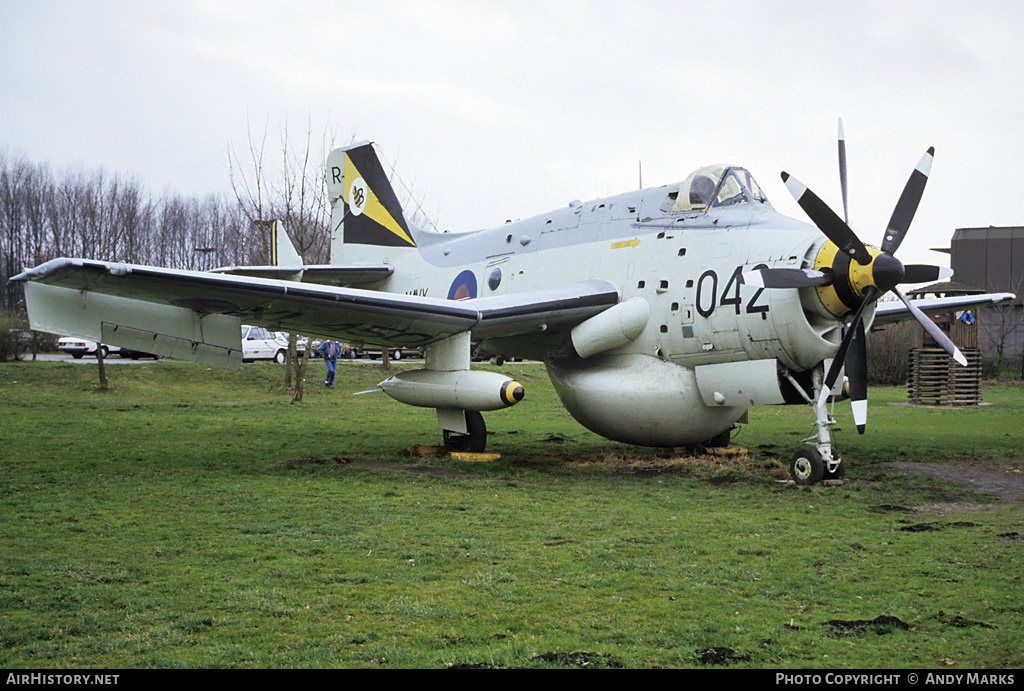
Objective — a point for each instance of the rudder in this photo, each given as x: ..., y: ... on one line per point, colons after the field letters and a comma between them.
x: 364, y: 207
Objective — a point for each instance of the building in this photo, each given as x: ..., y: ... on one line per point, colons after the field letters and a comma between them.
x: 991, y: 260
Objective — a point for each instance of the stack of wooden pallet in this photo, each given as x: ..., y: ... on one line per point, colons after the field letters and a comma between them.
x: 935, y: 378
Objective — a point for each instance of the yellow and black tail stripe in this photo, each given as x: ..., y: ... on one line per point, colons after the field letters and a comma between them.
x: 273, y: 244
x: 512, y: 392
x: 373, y: 215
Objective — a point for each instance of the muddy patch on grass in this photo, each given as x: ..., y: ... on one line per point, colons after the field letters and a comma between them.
x: 926, y: 527
x: 720, y: 655
x: 920, y: 527
x: 581, y: 660
x: 419, y: 468
x: 880, y: 625
x: 715, y: 468
x: 958, y: 621
x: 1005, y: 482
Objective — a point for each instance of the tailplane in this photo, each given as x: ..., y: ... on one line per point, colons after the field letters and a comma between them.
x: 365, y: 212
x: 282, y: 251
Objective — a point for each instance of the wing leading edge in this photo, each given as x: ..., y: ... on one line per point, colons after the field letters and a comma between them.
x: 197, y: 316
x: 888, y: 312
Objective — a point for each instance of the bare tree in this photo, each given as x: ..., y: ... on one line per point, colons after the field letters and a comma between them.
x: 300, y: 376
x: 1002, y: 326
x: 301, y: 198
x: 887, y: 348
x: 13, y: 179
x: 295, y: 194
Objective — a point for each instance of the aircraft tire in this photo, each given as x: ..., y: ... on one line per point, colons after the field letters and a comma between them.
x: 105, y: 351
x: 475, y: 441
x: 807, y: 468
x: 839, y: 473
x: 719, y: 441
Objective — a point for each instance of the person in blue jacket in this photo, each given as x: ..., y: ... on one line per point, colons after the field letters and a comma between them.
x: 329, y: 352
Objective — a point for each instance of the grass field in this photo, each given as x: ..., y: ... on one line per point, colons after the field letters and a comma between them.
x: 191, y: 517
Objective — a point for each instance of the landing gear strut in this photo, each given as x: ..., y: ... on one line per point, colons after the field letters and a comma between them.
x: 474, y: 442
x: 820, y: 462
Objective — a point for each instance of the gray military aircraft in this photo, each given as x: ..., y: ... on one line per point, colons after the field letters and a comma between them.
x: 661, y: 314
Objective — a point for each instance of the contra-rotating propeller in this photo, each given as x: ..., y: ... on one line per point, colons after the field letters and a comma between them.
x: 849, y: 275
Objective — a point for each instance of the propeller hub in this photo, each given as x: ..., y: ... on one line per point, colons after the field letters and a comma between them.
x: 883, y: 272
x: 887, y: 272
x: 853, y: 279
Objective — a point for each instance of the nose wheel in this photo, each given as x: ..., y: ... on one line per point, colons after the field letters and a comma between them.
x: 807, y: 468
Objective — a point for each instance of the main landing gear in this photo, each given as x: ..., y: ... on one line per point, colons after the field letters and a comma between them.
x: 473, y: 442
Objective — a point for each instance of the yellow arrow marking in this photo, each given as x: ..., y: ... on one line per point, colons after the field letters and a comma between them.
x: 626, y: 243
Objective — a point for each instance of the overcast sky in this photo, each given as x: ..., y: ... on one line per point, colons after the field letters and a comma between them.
x: 493, y: 110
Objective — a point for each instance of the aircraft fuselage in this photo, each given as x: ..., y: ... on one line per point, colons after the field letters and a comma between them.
x: 686, y: 266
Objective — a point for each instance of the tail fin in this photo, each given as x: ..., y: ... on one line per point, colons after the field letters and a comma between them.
x: 282, y: 251
x: 364, y: 208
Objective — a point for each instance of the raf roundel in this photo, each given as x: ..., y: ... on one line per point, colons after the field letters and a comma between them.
x: 463, y: 287
x: 357, y: 196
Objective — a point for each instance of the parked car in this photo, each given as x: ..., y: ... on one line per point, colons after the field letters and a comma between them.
x: 263, y: 344
x: 136, y: 354
x: 300, y: 343
x: 375, y: 353
x: 79, y: 347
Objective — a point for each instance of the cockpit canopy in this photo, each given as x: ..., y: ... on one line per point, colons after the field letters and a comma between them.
x: 716, y: 186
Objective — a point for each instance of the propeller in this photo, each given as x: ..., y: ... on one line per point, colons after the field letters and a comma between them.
x: 859, y: 275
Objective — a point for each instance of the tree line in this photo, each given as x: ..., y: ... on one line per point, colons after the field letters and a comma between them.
x: 95, y: 214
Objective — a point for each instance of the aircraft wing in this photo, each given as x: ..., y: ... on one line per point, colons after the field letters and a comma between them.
x: 888, y: 312
x: 194, y: 315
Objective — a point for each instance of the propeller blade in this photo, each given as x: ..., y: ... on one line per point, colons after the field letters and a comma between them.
x: 857, y: 372
x: 924, y: 273
x: 786, y: 278
x: 932, y: 328
x: 842, y: 170
x: 906, y: 207
x: 834, y: 228
x: 844, y: 346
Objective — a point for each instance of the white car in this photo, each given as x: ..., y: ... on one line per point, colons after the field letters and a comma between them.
x: 262, y: 344
x: 77, y: 347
